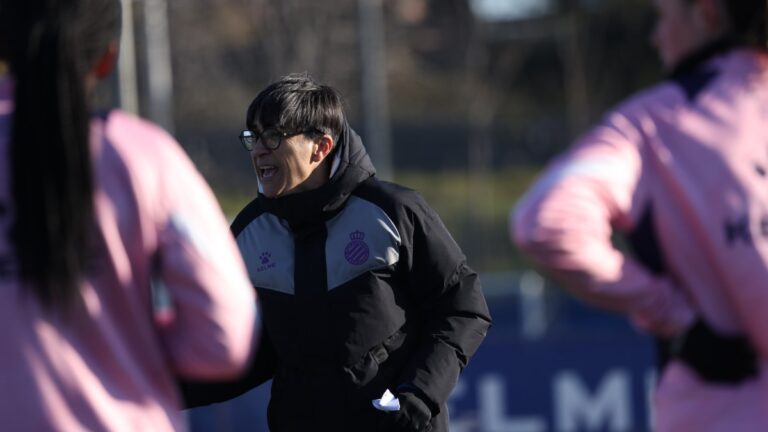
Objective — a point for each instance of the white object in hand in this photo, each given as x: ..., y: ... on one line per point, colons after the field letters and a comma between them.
x: 388, y: 402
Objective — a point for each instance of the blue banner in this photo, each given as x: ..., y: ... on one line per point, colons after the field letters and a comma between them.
x: 585, y: 371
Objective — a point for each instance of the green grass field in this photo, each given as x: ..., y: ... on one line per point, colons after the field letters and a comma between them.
x: 475, y: 208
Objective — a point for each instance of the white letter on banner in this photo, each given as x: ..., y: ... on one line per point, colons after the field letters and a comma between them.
x: 492, y: 399
x: 609, y: 407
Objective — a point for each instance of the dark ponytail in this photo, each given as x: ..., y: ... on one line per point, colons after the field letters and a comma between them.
x: 50, y: 45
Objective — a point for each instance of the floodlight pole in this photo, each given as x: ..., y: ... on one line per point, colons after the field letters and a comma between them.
x: 374, y: 85
x: 126, y: 66
x: 159, y: 73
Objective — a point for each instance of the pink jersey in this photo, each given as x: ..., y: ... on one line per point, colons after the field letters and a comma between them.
x: 112, y: 367
x: 685, y: 164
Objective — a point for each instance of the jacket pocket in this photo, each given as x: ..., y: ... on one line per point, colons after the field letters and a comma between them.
x: 365, y: 370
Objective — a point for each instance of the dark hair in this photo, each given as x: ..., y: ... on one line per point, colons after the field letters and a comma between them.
x: 747, y: 19
x: 295, y: 103
x: 50, y: 46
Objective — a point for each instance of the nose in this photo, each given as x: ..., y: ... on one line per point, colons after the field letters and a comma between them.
x: 259, y: 149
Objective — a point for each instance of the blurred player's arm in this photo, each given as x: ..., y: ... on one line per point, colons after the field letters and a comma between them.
x: 565, y: 222
x: 209, y: 322
x: 200, y: 393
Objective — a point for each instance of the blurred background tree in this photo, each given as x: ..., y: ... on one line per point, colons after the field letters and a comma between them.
x: 466, y: 98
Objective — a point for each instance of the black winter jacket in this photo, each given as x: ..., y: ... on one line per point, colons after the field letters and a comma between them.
x: 362, y: 289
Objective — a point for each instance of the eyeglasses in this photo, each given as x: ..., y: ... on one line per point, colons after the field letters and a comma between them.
x: 270, y: 138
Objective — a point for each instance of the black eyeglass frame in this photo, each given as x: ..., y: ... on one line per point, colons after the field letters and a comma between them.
x: 249, y: 138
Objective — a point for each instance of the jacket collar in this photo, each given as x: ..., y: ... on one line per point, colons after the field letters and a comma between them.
x: 701, y: 56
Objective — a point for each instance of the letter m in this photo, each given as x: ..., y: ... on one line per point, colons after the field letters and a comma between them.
x: 608, y: 408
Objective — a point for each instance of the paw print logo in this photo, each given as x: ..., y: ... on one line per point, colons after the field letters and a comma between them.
x: 265, y: 257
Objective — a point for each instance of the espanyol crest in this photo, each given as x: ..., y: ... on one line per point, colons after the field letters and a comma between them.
x: 357, y: 251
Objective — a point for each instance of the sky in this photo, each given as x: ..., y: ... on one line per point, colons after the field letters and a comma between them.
x: 508, y: 10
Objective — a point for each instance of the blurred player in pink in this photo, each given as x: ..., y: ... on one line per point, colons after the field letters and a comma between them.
x: 681, y: 169
x: 94, y: 211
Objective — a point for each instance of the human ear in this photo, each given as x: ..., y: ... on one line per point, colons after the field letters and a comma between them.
x: 106, y: 62
x: 323, y: 147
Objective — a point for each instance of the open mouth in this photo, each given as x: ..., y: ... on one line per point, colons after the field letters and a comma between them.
x: 266, y: 172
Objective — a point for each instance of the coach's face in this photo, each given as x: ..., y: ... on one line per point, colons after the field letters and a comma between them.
x: 287, y: 163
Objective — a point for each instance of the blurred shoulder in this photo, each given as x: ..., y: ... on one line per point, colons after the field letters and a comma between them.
x: 133, y: 134
x: 632, y: 117
x: 665, y: 94
x: 139, y: 141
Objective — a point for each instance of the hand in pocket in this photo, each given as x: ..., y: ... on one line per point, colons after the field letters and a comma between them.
x: 413, y: 416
